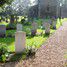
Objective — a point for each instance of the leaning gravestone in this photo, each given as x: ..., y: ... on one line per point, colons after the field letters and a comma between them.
x: 54, y: 23
x: 19, y: 27
x: 20, y: 39
x: 34, y: 29
x: 2, y: 30
x: 47, y: 27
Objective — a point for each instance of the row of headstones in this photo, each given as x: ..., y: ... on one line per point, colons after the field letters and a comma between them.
x: 34, y: 28
x: 47, y: 24
x: 20, y: 36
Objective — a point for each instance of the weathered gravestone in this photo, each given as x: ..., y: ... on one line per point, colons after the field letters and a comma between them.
x: 54, y: 22
x: 19, y: 27
x: 47, y: 27
x: 20, y: 39
x: 49, y: 21
x: 2, y: 30
x: 34, y: 29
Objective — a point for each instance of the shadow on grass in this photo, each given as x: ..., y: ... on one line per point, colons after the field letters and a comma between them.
x: 18, y: 57
x: 29, y: 37
x: 46, y: 35
x: 7, y: 40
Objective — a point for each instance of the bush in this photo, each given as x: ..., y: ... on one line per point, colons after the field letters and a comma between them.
x: 27, y: 30
x: 3, y: 53
x: 33, y: 32
x: 22, y: 21
x: 11, y: 26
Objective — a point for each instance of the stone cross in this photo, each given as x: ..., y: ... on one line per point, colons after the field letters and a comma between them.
x: 19, y: 27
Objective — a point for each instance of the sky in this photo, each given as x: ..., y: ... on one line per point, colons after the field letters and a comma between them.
x: 32, y: 1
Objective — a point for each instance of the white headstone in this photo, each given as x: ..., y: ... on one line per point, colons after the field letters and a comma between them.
x: 19, y: 27
x: 20, y: 41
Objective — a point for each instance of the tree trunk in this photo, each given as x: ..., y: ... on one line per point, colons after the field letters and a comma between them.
x: 12, y: 19
x: 16, y: 19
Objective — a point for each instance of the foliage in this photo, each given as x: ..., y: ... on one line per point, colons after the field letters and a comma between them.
x: 10, y: 33
x: 11, y: 26
x: 2, y: 2
x: 21, y: 6
x: 33, y: 32
x: 3, y: 23
x: 3, y: 52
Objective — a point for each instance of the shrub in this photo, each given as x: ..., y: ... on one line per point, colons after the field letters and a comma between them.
x: 33, y: 32
x: 27, y: 30
x: 11, y: 26
x: 3, y: 53
x: 10, y: 33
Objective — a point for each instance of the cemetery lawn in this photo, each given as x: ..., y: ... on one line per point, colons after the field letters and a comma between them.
x: 36, y: 41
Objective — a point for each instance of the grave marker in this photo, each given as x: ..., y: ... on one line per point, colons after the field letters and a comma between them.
x: 34, y: 29
x: 47, y: 27
x: 20, y: 41
x: 54, y: 24
x: 34, y: 26
x: 19, y: 27
x: 2, y: 30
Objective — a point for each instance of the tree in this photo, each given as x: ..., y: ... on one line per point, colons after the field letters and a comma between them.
x: 2, y: 2
x: 21, y: 6
x: 10, y: 11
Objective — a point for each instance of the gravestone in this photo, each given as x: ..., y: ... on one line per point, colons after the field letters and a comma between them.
x: 34, y: 29
x: 20, y: 41
x: 47, y: 27
x: 19, y: 27
x: 2, y: 30
x: 49, y: 21
x: 34, y: 26
x: 54, y: 22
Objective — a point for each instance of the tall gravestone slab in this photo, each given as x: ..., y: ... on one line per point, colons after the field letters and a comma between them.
x: 2, y: 30
x: 19, y: 27
x: 20, y: 41
x: 47, y: 27
x: 34, y: 29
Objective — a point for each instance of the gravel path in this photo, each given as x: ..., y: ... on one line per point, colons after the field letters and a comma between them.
x: 51, y: 54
